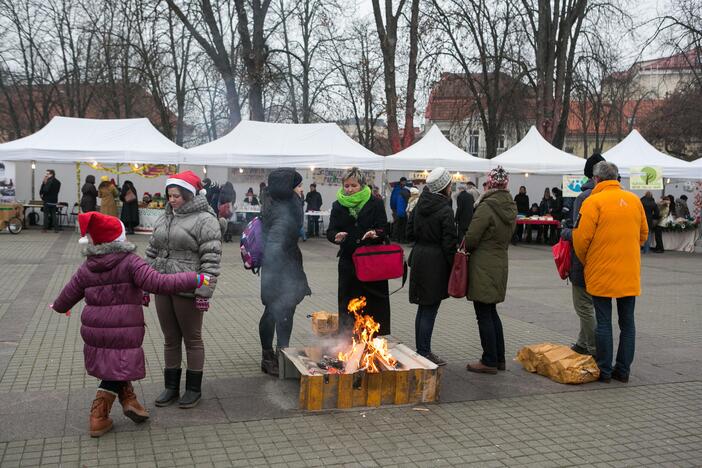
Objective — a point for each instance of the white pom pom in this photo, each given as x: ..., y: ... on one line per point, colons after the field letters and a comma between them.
x: 202, y: 192
x: 84, y: 240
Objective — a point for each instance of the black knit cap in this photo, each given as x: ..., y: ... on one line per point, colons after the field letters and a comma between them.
x: 297, y: 179
x: 590, y: 164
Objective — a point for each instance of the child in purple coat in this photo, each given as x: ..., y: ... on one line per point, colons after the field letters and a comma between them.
x: 112, y: 280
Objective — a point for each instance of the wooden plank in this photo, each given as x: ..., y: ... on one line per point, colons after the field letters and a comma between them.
x: 330, y: 391
x: 359, y: 389
x: 345, y: 395
x: 374, y: 388
x: 303, y: 391
x: 387, y: 388
x: 402, y: 387
x: 416, y: 385
x: 315, y: 392
x: 429, y: 393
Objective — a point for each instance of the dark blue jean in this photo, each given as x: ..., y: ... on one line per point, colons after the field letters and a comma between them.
x: 492, y: 337
x: 424, y: 326
x: 603, y: 334
x: 276, y: 320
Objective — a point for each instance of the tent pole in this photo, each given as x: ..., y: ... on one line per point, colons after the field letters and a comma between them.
x: 78, y: 181
x: 34, y: 167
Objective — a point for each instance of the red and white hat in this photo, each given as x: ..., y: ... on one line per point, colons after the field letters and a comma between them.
x: 102, y: 228
x: 189, y: 181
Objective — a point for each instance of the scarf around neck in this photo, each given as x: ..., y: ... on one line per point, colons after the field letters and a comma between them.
x: 355, y: 202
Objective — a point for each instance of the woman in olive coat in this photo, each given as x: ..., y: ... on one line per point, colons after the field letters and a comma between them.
x: 487, y: 241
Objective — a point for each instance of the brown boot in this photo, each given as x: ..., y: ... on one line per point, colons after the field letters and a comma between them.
x: 130, y: 405
x: 480, y: 368
x: 100, y: 421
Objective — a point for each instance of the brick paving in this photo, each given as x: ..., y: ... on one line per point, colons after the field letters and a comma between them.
x: 246, y: 418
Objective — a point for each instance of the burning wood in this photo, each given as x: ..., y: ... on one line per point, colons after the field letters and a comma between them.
x: 367, y: 351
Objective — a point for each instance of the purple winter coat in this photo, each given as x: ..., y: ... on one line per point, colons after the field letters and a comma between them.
x: 112, y: 280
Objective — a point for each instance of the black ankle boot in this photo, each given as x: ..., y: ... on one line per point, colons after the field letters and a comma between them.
x: 269, y: 362
x: 193, y: 386
x: 171, y: 379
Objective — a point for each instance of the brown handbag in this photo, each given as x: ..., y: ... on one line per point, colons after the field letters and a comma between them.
x: 129, y: 197
x: 458, y: 280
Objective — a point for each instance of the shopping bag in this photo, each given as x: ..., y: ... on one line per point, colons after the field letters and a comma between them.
x: 562, y: 257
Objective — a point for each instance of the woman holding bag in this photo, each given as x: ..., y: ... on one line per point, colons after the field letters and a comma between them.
x: 432, y: 228
x: 357, y: 218
x: 487, y: 241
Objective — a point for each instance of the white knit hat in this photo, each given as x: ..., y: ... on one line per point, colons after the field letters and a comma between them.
x: 438, y: 180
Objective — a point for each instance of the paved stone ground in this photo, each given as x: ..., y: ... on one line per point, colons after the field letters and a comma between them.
x: 246, y: 418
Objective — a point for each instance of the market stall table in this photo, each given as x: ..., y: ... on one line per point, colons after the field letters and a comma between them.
x: 147, y: 219
x: 681, y: 241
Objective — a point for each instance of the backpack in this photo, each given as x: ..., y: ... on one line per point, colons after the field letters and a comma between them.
x: 251, y: 245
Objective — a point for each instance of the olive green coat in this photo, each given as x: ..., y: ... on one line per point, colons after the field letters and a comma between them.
x: 487, y: 240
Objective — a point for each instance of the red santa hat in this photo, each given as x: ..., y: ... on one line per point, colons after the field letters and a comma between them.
x: 187, y: 180
x: 102, y: 228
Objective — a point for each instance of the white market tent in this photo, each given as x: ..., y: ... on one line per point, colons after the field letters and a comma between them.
x: 697, y: 162
x: 105, y: 141
x: 270, y: 145
x: 533, y: 154
x: 635, y: 151
x: 435, y: 150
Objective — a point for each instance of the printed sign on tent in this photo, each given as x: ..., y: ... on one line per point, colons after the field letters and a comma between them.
x: 572, y: 185
x: 7, y: 182
x: 646, y: 178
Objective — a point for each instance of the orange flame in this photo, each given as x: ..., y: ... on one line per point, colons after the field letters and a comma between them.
x: 367, y: 350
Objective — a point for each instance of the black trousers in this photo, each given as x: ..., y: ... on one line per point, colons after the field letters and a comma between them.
x: 659, y: 239
x: 276, y: 320
x: 312, y: 226
x: 399, y: 229
x: 492, y: 338
x: 50, y: 217
x: 113, y: 386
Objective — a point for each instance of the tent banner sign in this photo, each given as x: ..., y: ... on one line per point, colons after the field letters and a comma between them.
x: 646, y: 178
x: 572, y: 185
x: 7, y: 182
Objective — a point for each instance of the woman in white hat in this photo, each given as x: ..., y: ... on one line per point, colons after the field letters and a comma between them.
x: 432, y: 228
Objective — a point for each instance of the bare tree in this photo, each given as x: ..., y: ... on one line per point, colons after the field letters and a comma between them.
x: 484, y: 46
x: 387, y: 29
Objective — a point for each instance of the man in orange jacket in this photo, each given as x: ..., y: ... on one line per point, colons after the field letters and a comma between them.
x: 607, y: 239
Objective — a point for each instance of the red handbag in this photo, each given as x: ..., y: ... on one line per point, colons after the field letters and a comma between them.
x: 458, y: 280
x: 561, y: 255
x: 379, y: 262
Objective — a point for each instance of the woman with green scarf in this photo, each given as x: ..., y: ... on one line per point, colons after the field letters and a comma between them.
x: 358, y: 218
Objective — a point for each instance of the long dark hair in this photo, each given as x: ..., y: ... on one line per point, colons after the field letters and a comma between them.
x: 128, y: 185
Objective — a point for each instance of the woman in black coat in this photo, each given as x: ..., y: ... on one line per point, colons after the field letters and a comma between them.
x: 283, y: 280
x: 357, y: 218
x: 88, y: 202
x: 130, y: 209
x: 431, y: 227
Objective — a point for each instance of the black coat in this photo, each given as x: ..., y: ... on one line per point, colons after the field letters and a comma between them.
x: 283, y: 279
x: 88, y: 202
x: 547, y: 205
x: 130, y: 211
x: 49, y: 191
x: 652, y: 212
x: 464, y: 212
x: 522, y: 201
x: 314, y: 201
x: 431, y: 227
x: 371, y: 217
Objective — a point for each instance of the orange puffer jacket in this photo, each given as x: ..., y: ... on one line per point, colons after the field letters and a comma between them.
x: 607, y: 239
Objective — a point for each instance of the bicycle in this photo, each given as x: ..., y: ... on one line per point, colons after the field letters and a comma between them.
x: 14, y: 225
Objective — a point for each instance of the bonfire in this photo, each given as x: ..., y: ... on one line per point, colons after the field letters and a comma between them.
x: 367, y: 352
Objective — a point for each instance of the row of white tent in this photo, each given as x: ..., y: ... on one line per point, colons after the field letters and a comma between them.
x: 324, y: 145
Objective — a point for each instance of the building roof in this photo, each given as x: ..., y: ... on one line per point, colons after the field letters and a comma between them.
x: 681, y: 61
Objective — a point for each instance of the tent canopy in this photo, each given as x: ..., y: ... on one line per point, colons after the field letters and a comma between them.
x: 635, y: 151
x: 533, y: 154
x: 435, y: 150
x: 68, y: 139
x: 270, y: 145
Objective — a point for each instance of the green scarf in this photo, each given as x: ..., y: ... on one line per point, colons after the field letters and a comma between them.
x: 355, y: 202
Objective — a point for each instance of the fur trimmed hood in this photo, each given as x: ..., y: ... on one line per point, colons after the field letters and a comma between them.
x: 108, y: 248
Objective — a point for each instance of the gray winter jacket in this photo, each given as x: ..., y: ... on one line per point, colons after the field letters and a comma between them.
x: 577, y: 270
x: 187, y: 239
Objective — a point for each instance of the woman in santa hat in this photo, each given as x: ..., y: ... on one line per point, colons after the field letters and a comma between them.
x: 112, y: 280
x: 187, y: 237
